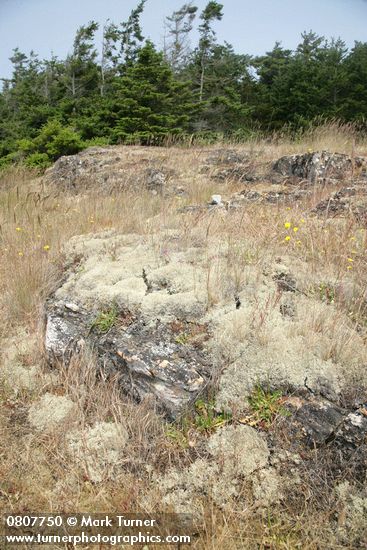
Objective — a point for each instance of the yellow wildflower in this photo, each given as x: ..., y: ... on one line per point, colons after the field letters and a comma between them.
x: 46, y: 247
x: 350, y: 260
x: 349, y: 267
x: 295, y: 229
x: 287, y: 225
x: 287, y: 238
x: 20, y: 253
x: 18, y: 229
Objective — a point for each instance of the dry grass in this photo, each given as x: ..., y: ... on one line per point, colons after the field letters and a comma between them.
x: 34, y: 226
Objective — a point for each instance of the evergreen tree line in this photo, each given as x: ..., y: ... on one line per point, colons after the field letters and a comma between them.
x: 127, y: 91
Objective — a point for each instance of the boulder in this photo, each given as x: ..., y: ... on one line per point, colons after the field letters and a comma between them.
x: 348, y: 200
x: 149, y: 361
x: 228, y: 165
x: 321, y: 166
x: 109, y: 168
x: 144, y: 321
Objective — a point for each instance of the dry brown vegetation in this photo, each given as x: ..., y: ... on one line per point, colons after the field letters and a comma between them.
x: 36, y: 470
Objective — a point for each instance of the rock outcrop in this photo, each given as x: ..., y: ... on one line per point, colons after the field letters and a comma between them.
x: 147, y: 312
x: 109, y: 168
x: 318, y: 167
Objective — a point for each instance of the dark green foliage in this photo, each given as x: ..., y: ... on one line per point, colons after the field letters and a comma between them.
x: 38, y: 160
x: 354, y: 89
x: 148, y: 103
x: 52, y: 141
x: 131, y: 35
x: 56, y: 140
x: 129, y: 92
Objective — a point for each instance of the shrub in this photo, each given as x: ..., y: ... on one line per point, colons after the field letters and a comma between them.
x: 95, y: 142
x: 38, y: 160
x: 56, y: 140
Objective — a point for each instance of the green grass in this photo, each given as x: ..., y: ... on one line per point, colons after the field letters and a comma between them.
x: 266, y: 405
x: 105, y: 320
x: 206, y: 417
x: 326, y: 293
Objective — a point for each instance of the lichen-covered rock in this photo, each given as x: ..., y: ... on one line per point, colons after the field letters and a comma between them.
x: 267, y: 487
x: 167, y: 319
x: 239, y: 449
x: 321, y: 166
x: 50, y: 412
x: 98, y: 449
x: 13, y: 372
x: 346, y: 201
x: 108, y: 168
x: 143, y: 298
x: 352, y: 514
x: 236, y: 452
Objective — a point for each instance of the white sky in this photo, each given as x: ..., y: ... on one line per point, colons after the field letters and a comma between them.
x: 251, y: 26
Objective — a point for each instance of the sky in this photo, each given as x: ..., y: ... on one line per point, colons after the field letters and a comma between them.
x: 251, y: 26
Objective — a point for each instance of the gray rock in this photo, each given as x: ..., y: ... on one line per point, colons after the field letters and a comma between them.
x: 349, y: 200
x: 148, y: 361
x: 154, y: 180
x: 105, y: 167
x: 231, y: 166
x: 227, y: 156
x: 72, y: 172
x: 322, y: 165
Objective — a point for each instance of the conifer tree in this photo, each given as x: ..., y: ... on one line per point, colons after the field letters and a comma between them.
x: 131, y: 36
x: 212, y: 12
x: 81, y: 73
x: 149, y: 103
x: 179, y: 25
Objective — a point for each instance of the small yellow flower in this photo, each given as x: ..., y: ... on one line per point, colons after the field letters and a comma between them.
x: 20, y: 253
x: 295, y: 229
x: 298, y: 243
x: 46, y: 247
x: 350, y: 260
x: 349, y: 267
x: 354, y: 252
x: 287, y: 238
x: 287, y: 225
x: 18, y: 229
x: 302, y: 220
x: 352, y: 238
